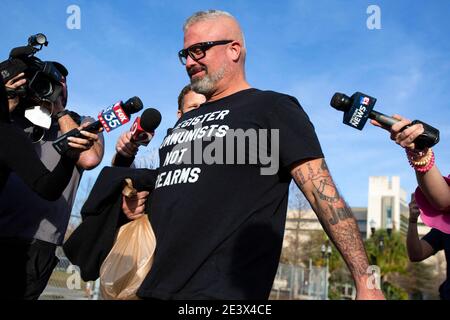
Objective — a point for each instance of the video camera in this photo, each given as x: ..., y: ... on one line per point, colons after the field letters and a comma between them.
x: 44, y: 78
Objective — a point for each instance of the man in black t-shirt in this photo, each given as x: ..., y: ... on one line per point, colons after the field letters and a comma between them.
x: 220, y: 201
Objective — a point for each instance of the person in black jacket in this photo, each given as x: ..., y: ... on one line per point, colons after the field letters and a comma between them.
x: 32, y: 227
x: 19, y: 156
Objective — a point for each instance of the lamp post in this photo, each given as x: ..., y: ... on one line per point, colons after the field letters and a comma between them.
x: 389, y: 226
x: 326, y: 253
x: 372, y: 224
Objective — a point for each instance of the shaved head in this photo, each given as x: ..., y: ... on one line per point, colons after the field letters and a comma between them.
x: 234, y: 30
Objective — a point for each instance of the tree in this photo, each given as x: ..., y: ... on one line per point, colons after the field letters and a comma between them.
x: 294, y: 248
x: 400, y: 278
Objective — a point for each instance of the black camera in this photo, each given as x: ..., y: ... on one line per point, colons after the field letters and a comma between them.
x: 44, y: 78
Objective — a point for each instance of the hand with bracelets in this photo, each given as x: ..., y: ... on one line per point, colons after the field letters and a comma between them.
x: 421, y: 160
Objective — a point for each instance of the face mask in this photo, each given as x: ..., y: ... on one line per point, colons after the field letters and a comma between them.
x: 39, y: 116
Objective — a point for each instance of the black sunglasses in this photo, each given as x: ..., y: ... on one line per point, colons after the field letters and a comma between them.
x: 198, y: 51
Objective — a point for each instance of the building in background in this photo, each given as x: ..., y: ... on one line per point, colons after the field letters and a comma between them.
x: 387, y: 208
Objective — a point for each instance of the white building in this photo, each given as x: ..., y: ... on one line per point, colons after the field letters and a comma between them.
x: 388, y: 206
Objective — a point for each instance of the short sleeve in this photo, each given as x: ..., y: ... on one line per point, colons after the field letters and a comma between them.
x: 298, y: 139
x: 435, y: 239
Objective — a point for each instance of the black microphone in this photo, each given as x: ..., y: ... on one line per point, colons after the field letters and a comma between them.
x: 114, y: 117
x: 150, y: 119
x: 140, y: 134
x: 110, y: 119
x: 145, y: 125
x: 21, y: 52
x: 359, y: 108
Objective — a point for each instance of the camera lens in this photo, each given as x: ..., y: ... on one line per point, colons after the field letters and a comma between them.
x: 41, y: 86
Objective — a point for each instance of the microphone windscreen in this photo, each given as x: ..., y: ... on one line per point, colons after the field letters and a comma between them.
x: 133, y: 105
x: 341, y: 102
x: 21, y: 52
x: 150, y: 119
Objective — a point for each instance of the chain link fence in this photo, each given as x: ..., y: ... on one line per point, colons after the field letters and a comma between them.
x: 299, y: 283
x: 66, y: 284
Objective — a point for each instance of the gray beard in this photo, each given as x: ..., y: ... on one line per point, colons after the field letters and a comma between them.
x: 207, y: 84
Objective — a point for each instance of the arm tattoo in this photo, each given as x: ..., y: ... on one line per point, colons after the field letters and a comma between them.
x: 334, y: 215
x: 343, y: 230
x: 339, y: 214
x: 321, y: 180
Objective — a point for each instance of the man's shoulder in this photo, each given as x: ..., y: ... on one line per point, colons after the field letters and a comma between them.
x: 275, y: 98
x: 272, y: 94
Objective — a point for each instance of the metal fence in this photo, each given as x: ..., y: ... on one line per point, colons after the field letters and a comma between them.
x: 299, y: 283
x: 66, y: 284
x: 291, y: 283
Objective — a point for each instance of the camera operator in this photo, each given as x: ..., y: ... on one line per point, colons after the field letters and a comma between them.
x: 48, y: 185
x: 30, y: 227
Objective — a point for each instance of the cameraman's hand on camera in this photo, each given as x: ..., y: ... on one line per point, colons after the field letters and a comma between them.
x: 125, y: 146
x: 134, y: 207
x: 14, y: 84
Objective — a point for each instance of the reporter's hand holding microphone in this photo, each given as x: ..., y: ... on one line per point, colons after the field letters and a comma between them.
x: 416, y: 137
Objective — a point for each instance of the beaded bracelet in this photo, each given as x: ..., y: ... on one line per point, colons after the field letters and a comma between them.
x: 425, y: 164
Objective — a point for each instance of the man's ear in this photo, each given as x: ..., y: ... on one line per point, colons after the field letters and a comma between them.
x: 235, y: 51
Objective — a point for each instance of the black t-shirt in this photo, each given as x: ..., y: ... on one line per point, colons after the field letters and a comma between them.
x: 219, y: 227
x: 441, y: 241
x: 19, y: 156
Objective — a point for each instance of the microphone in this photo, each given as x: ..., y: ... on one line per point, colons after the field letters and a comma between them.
x: 21, y: 52
x: 110, y: 119
x: 142, y: 126
x: 140, y: 134
x: 359, y: 108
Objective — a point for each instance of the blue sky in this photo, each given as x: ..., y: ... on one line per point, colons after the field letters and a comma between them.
x: 308, y: 49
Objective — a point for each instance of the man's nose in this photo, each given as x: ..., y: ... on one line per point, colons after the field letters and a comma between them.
x: 190, y: 62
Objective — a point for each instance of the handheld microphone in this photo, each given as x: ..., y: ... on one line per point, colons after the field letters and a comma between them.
x: 141, y: 131
x: 110, y: 119
x: 144, y: 125
x: 359, y: 108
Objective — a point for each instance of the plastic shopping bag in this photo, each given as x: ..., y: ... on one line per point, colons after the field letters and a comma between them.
x: 129, y: 261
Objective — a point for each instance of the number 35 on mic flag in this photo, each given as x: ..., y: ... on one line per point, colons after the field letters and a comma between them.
x: 113, y: 117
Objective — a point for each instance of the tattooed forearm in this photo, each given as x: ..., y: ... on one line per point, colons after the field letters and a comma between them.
x: 342, y: 228
x: 315, y: 181
x: 339, y: 214
x: 320, y: 179
x: 349, y: 243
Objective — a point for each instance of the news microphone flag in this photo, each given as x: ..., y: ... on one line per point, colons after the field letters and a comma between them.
x: 113, y: 117
x: 139, y: 135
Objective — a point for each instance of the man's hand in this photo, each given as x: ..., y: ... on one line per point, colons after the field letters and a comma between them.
x: 14, y: 84
x: 85, y: 142
x: 125, y: 146
x: 403, y: 138
x: 134, y: 206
